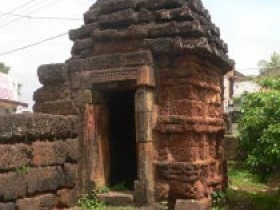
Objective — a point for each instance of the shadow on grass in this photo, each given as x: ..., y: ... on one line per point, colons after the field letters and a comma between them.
x: 239, y: 200
x: 247, y: 192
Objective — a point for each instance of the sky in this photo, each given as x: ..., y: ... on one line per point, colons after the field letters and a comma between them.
x: 251, y: 29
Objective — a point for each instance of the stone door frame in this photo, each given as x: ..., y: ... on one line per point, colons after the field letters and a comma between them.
x: 143, y: 83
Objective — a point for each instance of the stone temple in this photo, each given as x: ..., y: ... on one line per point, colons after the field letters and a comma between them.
x: 144, y: 92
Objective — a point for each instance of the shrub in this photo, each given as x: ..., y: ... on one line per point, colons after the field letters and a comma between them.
x: 259, y: 128
x: 90, y: 202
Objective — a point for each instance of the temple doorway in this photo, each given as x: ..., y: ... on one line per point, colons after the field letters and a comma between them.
x: 122, y: 139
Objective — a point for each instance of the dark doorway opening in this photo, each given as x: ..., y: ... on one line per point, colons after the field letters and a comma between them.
x: 122, y: 137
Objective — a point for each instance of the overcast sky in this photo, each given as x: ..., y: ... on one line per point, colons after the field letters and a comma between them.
x: 251, y: 28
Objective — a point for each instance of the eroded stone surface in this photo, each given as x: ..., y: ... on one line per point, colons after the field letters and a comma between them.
x: 192, y: 205
x: 35, y: 126
x: 67, y: 197
x: 7, y: 206
x: 117, y: 198
x: 46, y: 201
x: 44, y: 179
x: 55, y: 153
x: 13, y: 186
x: 52, y: 73
x: 14, y: 156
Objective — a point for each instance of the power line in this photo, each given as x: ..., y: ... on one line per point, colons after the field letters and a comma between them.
x: 48, y: 4
x: 39, y: 18
x: 19, y: 7
x: 29, y: 13
x: 33, y: 44
x: 22, y: 8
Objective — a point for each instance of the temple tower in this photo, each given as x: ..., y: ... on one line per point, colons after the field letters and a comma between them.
x: 146, y: 81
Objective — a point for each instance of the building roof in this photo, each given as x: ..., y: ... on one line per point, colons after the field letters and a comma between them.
x: 241, y: 77
x: 238, y: 74
x: 163, y: 27
x: 7, y: 102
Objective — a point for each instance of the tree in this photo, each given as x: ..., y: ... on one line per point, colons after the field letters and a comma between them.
x: 274, y: 62
x: 259, y: 127
x: 4, y: 69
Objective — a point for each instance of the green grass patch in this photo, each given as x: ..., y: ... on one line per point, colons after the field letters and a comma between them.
x: 247, y: 192
x: 245, y: 200
x: 241, y: 178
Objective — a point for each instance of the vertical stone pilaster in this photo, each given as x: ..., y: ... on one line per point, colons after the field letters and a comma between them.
x: 144, y: 186
x: 144, y: 101
x: 86, y: 145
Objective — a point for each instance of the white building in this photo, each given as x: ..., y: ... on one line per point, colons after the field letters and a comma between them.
x: 245, y: 86
x: 228, y: 90
x: 9, y: 95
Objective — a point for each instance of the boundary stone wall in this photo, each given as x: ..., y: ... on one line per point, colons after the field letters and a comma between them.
x: 38, y: 161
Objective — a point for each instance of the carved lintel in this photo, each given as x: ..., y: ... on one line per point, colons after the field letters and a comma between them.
x: 142, y: 75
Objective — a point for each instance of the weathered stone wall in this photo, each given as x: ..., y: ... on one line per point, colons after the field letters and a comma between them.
x: 55, y: 95
x: 38, y: 162
x: 190, y: 131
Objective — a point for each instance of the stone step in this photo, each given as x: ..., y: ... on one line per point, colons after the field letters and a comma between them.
x: 117, y: 198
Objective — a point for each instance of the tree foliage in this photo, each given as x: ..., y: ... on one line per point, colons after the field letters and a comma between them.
x: 4, y: 69
x: 274, y: 62
x: 260, y: 127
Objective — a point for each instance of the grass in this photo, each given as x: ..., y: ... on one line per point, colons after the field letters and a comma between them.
x: 247, y: 192
x: 240, y: 178
x: 247, y: 200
